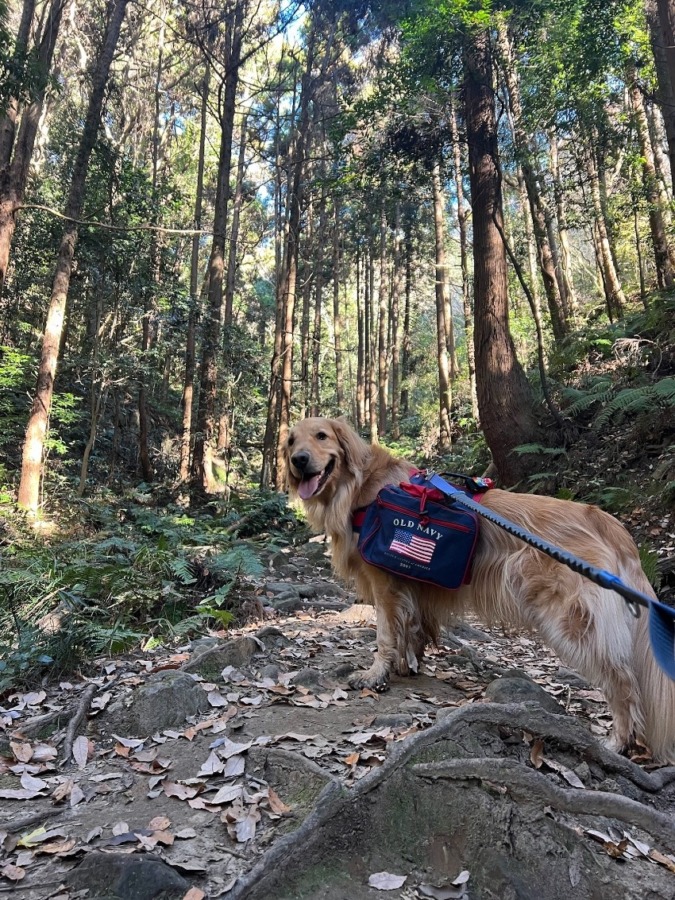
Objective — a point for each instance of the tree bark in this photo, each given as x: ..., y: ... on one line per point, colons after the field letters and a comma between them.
x: 664, y: 256
x: 213, y: 320
x: 337, y: 313
x: 534, y: 195
x: 29, y: 486
x: 383, y: 326
x: 462, y: 225
x: 661, y: 21
x: 395, y: 307
x: 616, y: 299
x: 444, y: 387
x: 190, y: 345
x: 17, y: 147
x: 563, y: 231
x: 505, y: 399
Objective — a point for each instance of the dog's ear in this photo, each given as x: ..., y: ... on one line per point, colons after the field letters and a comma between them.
x: 356, y: 450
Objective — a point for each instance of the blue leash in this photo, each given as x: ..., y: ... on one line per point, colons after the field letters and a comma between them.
x: 661, y: 617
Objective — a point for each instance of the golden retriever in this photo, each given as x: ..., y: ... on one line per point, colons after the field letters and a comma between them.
x: 334, y: 472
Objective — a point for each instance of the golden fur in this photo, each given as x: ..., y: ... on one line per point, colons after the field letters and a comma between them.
x: 590, y: 628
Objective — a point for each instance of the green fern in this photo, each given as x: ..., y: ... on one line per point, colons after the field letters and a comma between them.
x: 539, y: 449
x: 649, y: 560
x: 638, y: 400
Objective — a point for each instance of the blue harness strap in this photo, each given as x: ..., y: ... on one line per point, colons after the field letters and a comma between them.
x: 661, y: 616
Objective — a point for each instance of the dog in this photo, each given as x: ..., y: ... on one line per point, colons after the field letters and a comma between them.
x: 334, y: 472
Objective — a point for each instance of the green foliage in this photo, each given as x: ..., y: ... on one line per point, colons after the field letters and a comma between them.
x: 539, y: 450
x: 648, y: 398
x: 129, y: 573
x: 649, y: 560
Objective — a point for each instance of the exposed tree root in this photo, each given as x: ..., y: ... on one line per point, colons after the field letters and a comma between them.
x: 291, y: 849
x: 532, y: 785
x: 76, y: 721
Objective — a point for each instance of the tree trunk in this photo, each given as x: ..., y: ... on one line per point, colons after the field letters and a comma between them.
x: 563, y: 232
x: 14, y: 175
x: 315, y: 392
x: 395, y: 306
x: 661, y: 22
x: 189, y: 377
x: 664, y: 256
x: 383, y: 327
x: 372, y: 318
x: 462, y: 225
x: 360, y: 349
x: 213, y: 320
x: 29, y: 486
x: 505, y: 398
x: 337, y: 314
x: 534, y: 195
x: 616, y: 299
x: 8, y: 118
x: 444, y: 388
x: 406, y: 341
x: 234, y: 227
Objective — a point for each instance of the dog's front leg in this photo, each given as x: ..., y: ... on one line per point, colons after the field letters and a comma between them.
x: 377, y: 676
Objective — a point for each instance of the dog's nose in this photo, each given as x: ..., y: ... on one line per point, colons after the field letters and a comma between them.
x: 300, y: 460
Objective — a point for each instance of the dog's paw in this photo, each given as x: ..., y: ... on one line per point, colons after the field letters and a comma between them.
x: 376, y: 681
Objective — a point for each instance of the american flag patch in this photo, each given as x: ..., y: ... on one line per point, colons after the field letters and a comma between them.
x: 408, y: 544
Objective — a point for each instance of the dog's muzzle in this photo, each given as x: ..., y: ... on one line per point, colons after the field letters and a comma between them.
x: 311, y: 482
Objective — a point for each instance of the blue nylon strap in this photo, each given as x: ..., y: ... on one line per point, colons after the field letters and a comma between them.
x: 661, y: 616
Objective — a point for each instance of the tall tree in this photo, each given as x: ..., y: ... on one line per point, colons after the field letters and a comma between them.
x: 505, y: 399
x: 31, y: 467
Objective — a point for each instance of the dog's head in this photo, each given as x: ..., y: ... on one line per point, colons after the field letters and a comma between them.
x: 321, y: 455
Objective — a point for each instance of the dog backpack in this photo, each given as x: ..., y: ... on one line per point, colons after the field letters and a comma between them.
x: 413, y: 531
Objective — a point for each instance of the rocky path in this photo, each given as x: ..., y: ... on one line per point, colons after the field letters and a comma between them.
x: 241, y: 766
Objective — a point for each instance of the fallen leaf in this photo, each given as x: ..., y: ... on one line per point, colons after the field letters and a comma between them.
x: 81, y: 747
x: 277, y: 805
x: 23, y: 752
x: 212, y: 766
x: 569, y: 776
x: 180, y: 791
x: 159, y: 823
x: 12, y: 873
x: 385, y: 881
x: 537, y: 753
x: 194, y: 894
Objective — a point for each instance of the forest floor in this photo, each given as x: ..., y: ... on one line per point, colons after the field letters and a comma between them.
x: 241, y: 765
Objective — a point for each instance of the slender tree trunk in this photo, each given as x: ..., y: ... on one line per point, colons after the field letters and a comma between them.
x: 444, y: 386
x: 406, y: 341
x: 395, y: 306
x: 534, y: 195
x: 666, y: 87
x: 383, y: 326
x: 29, y: 486
x: 234, y: 227
x: 360, y: 349
x: 337, y: 314
x: 563, y: 232
x: 16, y: 149
x: 213, y: 324
x: 372, y: 356
x: 315, y: 392
x: 305, y: 328
x: 661, y: 161
x: 664, y: 256
x: 616, y: 299
x: 462, y: 224
x: 505, y: 399
x: 189, y: 377
x: 8, y: 119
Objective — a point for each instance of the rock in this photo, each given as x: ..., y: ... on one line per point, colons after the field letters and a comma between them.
x: 469, y: 633
x: 513, y: 689
x: 291, y: 604
x: 271, y: 671
x: 309, y: 678
x: 342, y: 670
x: 165, y: 700
x: 272, y: 637
x: 392, y: 720
x: 320, y: 589
x: 567, y: 676
x: 278, y: 587
x: 202, y: 644
x: 108, y: 876
x: 211, y: 662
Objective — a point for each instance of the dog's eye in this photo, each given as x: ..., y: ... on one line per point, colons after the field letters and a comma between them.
x: 322, y: 436
x: 291, y: 441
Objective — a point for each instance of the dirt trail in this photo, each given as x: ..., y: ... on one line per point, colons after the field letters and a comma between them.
x: 242, y: 766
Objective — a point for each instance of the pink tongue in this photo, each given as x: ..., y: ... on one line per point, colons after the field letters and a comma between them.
x: 307, y: 489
